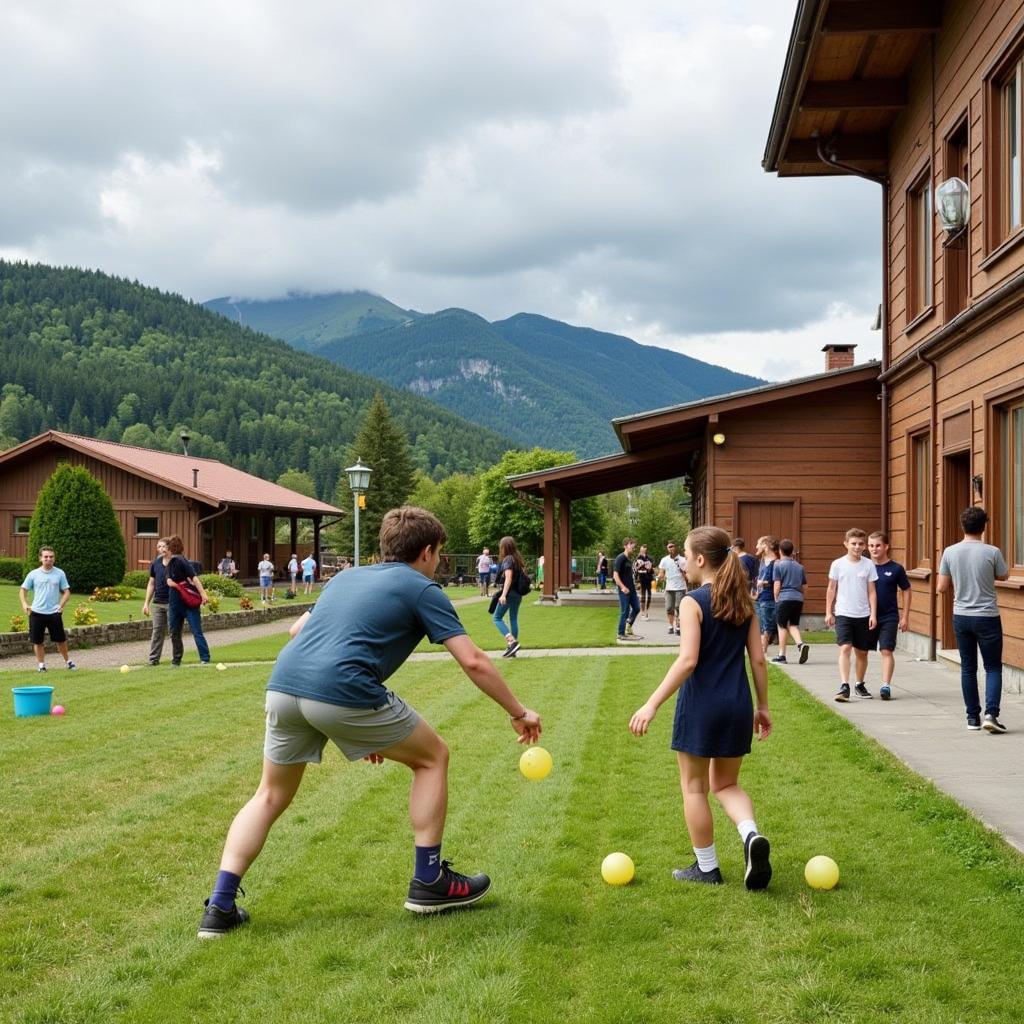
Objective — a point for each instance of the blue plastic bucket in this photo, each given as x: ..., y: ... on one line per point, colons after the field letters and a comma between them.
x: 31, y: 700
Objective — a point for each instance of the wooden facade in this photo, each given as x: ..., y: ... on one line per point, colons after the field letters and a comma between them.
x: 953, y: 303
x: 149, y: 507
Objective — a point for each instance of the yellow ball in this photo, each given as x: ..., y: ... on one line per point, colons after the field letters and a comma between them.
x: 617, y: 869
x: 221, y: 667
x: 535, y: 763
x: 821, y: 872
x: 124, y: 668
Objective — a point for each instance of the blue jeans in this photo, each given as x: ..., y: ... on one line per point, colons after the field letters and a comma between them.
x: 629, y: 609
x: 177, y: 615
x: 986, y: 632
x: 515, y: 599
x: 602, y: 580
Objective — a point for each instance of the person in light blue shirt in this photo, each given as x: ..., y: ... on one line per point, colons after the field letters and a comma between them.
x: 308, y: 571
x: 50, y: 592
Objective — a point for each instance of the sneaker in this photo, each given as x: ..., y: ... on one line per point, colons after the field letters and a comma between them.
x: 70, y: 665
x: 510, y: 649
x: 671, y: 630
x: 629, y: 629
x: 843, y: 695
x: 41, y: 668
x: 974, y: 723
x: 862, y: 691
x: 625, y: 636
x: 451, y: 890
x: 694, y: 874
x: 885, y: 693
x: 780, y: 659
x: 636, y: 636
x: 216, y: 923
x: 805, y: 651
x: 646, y: 616
x: 992, y: 724
x: 677, y: 632
x: 758, y: 868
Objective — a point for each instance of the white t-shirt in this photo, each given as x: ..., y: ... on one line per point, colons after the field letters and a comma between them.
x: 852, y: 580
x: 293, y: 566
x: 265, y: 568
x: 674, y: 569
x: 483, y: 565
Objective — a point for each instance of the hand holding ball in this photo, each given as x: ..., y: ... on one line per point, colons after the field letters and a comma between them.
x: 535, y: 763
x: 821, y: 872
x: 617, y: 869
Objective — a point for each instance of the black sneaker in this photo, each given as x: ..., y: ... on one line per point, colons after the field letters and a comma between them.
x: 805, y: 652
x: 862, y: 691
x: 510, y: 649
x: 780, y: 659
x: 694, y: 874
x: 216, y: 923
x: 844, y: 693
x: 974, y: 723
x: 451, y: 890
x: 992, y: 724
x: 759, y: 869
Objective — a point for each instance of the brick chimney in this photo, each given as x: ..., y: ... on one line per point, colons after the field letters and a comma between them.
x: 838, y: 357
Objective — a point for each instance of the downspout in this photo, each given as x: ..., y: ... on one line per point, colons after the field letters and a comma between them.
x: 199, y: 523
x: 933, y: 576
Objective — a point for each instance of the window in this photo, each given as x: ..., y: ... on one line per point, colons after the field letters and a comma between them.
x: 920, y: 529
x: 21, y: 525
x: 1011, y: 500
x: 147, y: 526
x: 920, y: 255
x: 1010, y: 152
x: 1002, y: 160
x: 254, y: 528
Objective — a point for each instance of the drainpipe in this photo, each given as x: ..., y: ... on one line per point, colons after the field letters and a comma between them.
x: 933, y: 576
x: 199, y: 527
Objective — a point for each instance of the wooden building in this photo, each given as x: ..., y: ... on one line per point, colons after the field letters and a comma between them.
x: 799, y: 459
x: 211, y: 506
x: 911, y: 94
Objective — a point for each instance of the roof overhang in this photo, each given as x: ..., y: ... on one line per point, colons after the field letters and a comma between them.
x: 844, y: 83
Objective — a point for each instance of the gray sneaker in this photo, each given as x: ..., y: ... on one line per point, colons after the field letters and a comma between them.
x: 992, y: 724
x: 694, y: 874
x: 863, y: 692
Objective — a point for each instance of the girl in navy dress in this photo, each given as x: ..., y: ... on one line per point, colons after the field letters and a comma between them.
x: 715, y: 717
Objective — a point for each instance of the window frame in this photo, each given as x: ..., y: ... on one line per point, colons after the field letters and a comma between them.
x: 15, y: 532
x: 1005, y: 478
x: 920, y: 471
x: 146, y: 533
x: 1002, y: 185
x: 919, y: 265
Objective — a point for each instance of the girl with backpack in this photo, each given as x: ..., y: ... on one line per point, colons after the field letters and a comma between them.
x: 511, y: 585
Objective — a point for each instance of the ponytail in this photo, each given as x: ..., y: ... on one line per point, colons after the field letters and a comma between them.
x: 730, y: 589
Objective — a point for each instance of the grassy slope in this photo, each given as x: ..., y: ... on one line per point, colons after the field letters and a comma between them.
x: 114, y: 818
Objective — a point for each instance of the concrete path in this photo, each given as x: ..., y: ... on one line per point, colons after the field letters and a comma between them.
x: 925, y: 726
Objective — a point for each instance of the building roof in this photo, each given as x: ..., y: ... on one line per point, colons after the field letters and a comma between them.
x: 205, y: 480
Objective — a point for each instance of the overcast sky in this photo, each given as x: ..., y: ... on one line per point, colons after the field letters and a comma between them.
x: 594, y: 161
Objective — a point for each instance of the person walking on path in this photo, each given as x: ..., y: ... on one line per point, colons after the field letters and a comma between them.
x: 971, y: 568
x: 265, y: 571
x: 180, y: 571
x: 672, y: 576
x: 329, y: 684
x: 768, y: 552
x: 483, y: 572
x: 851, y: 605
x: 158, y: 599
x: 643, y: 569
x: 892, y: 580
x: 308, y: 565
x: 715, y: 717
x: 50, y: 593
x: 748, y: 561
x: 226, y: 566
x: 602, y: 571
x: 629, y: 602
x: 790, y: 583
x: 510, y: 572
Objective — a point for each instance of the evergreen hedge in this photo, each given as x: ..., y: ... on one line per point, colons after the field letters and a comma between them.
x: 137, y: 578
x: 75, y: 516
x: 214, y: 583
x: 12, y: 569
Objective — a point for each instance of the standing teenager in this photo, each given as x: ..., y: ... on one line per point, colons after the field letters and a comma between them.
x: 764, y: 589
x: 629, y: 602
x: 179, y: 571
x: 50, y: 593
x: 329, y: 684
x: 602, y: 571
x: 852, y: 607
x: 510, y: 572
x: 672, y: 574
x: 790, y: 587
x: 892, y: 581
x: 643, y: 569
x: 715, y: 717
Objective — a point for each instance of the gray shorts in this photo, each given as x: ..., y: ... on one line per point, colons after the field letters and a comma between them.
x: 298, y: 728
x: 673, y: 599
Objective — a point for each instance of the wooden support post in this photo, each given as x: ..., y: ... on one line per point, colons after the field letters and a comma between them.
x: 316, y: 544
x: 550, y: 564
x: 564, y: 545
x: 293, y: 535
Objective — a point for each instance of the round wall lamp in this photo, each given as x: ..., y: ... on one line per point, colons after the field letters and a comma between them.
x: 719, y: 439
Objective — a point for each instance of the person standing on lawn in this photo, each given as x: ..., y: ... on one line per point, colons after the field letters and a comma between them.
x: 179, y: 571
x: 672, y: 575
x: 602, y: 571
x: 851, y: 605
x: 329, y: 684
x: 971, y: 568
x: 511, y: 569
x: 629, y: 603
x: 226, y: 566
x: 265, y: 571
x: 293, y: 572
x: 158, y: 599
x: 715, y: 717
x: 50, y: 593
x: 892, y: 580
x: 643, y: 568
x: 483, y: 571
x: 308, y: 565
x: 790, y: 583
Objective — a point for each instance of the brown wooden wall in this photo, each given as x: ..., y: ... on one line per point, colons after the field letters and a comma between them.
x: 823, y: 452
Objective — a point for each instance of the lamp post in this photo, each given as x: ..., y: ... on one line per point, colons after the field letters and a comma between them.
x: 359, y: 481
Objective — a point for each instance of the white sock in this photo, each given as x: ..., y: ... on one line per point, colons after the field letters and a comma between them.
x: 746, y: 828
x: 42, y: 664
x: 707, y: 859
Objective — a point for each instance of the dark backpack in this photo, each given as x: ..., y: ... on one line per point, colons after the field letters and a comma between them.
x: 521, y: 583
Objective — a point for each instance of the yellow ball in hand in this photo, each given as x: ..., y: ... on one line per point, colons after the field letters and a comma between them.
x: 821, y: 872
x: 618, y: 869
x: 535, y: 763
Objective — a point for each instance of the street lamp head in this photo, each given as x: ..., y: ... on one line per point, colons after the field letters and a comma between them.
x: 953, y: 204
x: 358, y: 477
x: 185, y: 437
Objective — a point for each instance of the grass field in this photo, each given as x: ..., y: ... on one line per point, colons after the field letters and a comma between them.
x: 114, y: 817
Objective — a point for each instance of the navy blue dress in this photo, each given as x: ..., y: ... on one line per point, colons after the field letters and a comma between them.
x: 714, y: 710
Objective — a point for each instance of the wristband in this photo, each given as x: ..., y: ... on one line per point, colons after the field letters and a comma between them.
x: 518, y: 718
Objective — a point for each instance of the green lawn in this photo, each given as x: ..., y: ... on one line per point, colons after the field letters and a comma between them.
x: 114, y: 817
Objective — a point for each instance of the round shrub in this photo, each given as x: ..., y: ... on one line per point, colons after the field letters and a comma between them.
x: 137, y: 579
x: 217, y: 584
x: 12, y: 569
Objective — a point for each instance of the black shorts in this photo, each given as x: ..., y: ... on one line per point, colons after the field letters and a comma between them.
x: 39, y: 625
x: 885, y: 634
x: 787, y: 613
x: 855, y: 632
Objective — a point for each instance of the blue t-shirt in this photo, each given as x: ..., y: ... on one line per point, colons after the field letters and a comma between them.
x: 767, y: 574
x: 749, y: 563
x: 891, y: 577
x: 792, y: 577
x: 161, y: 592
x: 46, y: 589
x: 363, y: 628
x: 308, y: 566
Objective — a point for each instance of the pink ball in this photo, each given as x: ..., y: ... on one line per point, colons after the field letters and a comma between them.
x: 57, y: 709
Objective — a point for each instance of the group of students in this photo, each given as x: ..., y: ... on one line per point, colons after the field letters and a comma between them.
x: 265, y: 569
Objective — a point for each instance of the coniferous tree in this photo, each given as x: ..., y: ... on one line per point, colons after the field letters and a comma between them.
x: 75, y: 516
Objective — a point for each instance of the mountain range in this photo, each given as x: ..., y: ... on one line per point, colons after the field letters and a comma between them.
x: 530, y: 378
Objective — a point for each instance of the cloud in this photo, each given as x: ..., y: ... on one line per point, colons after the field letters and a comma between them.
x: 597, y: 162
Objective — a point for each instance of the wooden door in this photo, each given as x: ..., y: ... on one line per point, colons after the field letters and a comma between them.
x: 780, y: 518
x: 956, y: 496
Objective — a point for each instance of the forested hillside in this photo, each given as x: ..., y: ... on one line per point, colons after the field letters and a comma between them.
x: 92, y: 354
